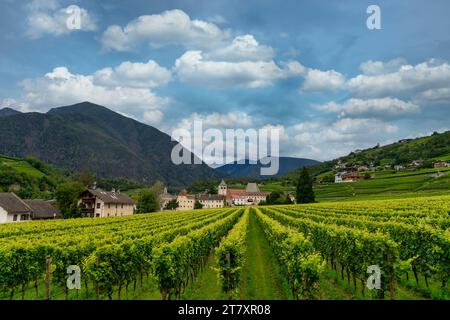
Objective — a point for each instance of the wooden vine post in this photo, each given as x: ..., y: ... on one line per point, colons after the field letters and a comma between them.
x: 48, y: 280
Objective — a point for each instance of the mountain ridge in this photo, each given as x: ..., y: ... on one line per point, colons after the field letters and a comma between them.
x: 286, y: 164
x: 83, y: 135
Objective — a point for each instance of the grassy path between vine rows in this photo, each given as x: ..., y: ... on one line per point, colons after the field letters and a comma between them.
x: 261, y: 276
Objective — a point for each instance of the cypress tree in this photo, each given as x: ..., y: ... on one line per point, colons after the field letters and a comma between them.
x: 305, y: 192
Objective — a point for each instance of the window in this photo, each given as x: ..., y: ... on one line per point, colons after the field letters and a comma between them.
x: 15, y: 217
x: 122, y: 205
x: 98, y: 205
x: 109, y: 206
x: 23, y: 217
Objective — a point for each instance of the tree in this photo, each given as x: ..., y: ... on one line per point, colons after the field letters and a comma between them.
x: 86, y: 178
x: 273, y: 198
x: 198, y: 205
x: 172, y: 204
x: 147, y: 201
x: 158, y: 189
x: 66, y: 195
x: 305, y: 192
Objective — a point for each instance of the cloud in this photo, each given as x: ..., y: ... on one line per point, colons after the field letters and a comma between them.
x: 323, y: 141
x: 233, y: 119
x: 136, y: 75
x: 372, y: 68
x: 384, y: 107
x: 192, y: 68
x: 242, y: 48
x: 318, y: 80
x: 47, y: 17
x: 61, y: 87
x: 172, y: 27
x: 408, y: 80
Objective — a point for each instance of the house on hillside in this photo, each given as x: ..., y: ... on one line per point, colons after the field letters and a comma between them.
x: 441, y: 164
x: 416, y: 163
x: 43, y: 209
x: 96, y: 203
x: 348, y: 177
x: 13, y: 209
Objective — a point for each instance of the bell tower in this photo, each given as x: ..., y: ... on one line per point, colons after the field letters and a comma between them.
x: 222, y: 190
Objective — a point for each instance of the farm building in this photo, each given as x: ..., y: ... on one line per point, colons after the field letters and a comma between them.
x: 96, y: 203
x: 13, y: 209
x: 43, y: 209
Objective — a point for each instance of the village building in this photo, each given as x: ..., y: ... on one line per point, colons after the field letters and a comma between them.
x: 185, y: 201
x: 13, y: 209
x: 347, y: 177
x: 96, y: 203
x: 441, y: 164
x: 416, y: 163
x: 211, y: 200
x: 251, y: 195
x: 43, y: 209
x: 165, y: 198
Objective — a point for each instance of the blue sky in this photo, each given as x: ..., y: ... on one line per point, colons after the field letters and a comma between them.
x: 310, y: 68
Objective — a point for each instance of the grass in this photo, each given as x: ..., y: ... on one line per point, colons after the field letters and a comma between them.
x: 206, y: 285
x: 261, y: 275
x: 21, y: 166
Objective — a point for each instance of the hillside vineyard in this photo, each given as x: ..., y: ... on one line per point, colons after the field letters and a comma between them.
x: 320, y: 249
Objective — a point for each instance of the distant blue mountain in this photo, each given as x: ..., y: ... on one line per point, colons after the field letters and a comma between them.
x: 247, y: 170
x: 5, y: 112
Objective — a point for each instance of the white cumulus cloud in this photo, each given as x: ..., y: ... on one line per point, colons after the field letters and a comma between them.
x: 384, y: 107
x: 172, y: 27
x: 134, y: 74
x: 192, y: 68
x: 406, y: 80
x: 318, y: 80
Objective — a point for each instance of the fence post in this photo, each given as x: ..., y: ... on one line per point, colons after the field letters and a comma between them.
x: 48, y: 280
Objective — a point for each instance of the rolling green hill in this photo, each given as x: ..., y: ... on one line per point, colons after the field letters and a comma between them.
x: 28, y: 177
x: 383, y: 182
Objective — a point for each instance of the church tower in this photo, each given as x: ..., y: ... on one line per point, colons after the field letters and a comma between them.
x: 222, y: 188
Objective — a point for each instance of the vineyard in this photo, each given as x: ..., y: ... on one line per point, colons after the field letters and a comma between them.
x: 317, y: 251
